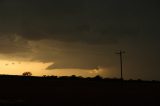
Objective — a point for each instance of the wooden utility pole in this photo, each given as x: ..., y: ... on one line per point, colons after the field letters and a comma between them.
x: 120, y: 52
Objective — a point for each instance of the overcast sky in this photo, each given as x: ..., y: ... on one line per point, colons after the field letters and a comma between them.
x: 83, y: 34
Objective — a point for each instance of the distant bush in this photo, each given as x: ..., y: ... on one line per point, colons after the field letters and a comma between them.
x: 27, y: 74
x: 52, y: 76
x: 44, y: 76
x: 130, y: 79
x: 64, y: 77
x: 98, y: 77
x: 139, y: 80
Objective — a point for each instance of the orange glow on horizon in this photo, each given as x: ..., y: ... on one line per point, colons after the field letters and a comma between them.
x: 39, y: 69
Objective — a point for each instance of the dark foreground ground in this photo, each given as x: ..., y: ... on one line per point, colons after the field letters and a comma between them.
x: 34, y: 91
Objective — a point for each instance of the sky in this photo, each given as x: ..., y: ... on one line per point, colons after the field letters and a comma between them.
x: 80, y: 37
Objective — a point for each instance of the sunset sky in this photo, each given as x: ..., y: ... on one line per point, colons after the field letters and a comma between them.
x: 80, y: 37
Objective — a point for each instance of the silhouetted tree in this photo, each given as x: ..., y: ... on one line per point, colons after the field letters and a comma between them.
x: 44, y: 75
x: 98, y: 77
x: 64, y: 77
x: 27, y: 74
x: 52, y: 76
x: 80, y: 77
x: 139, y: 80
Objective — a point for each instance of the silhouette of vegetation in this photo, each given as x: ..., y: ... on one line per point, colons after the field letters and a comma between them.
x: 98, y: 77
x: 76, y: 91
x: 27, y: 74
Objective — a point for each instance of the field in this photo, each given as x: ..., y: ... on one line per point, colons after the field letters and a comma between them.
x: 20, y: 90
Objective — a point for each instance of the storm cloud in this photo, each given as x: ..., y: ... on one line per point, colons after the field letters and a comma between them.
x: 79, y: 21
x: 82, y: 34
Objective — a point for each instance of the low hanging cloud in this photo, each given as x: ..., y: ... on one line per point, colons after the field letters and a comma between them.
x: 69, y: 55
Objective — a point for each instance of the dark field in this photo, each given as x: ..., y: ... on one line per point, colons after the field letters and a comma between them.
x: 35, y: 91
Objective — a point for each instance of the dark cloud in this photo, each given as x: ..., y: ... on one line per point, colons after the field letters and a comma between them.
x: 82, y: 33
x: 12, y: 44
x: 79, y: 21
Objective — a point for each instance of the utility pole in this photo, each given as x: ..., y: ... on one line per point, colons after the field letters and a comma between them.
x: 120, y: 53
